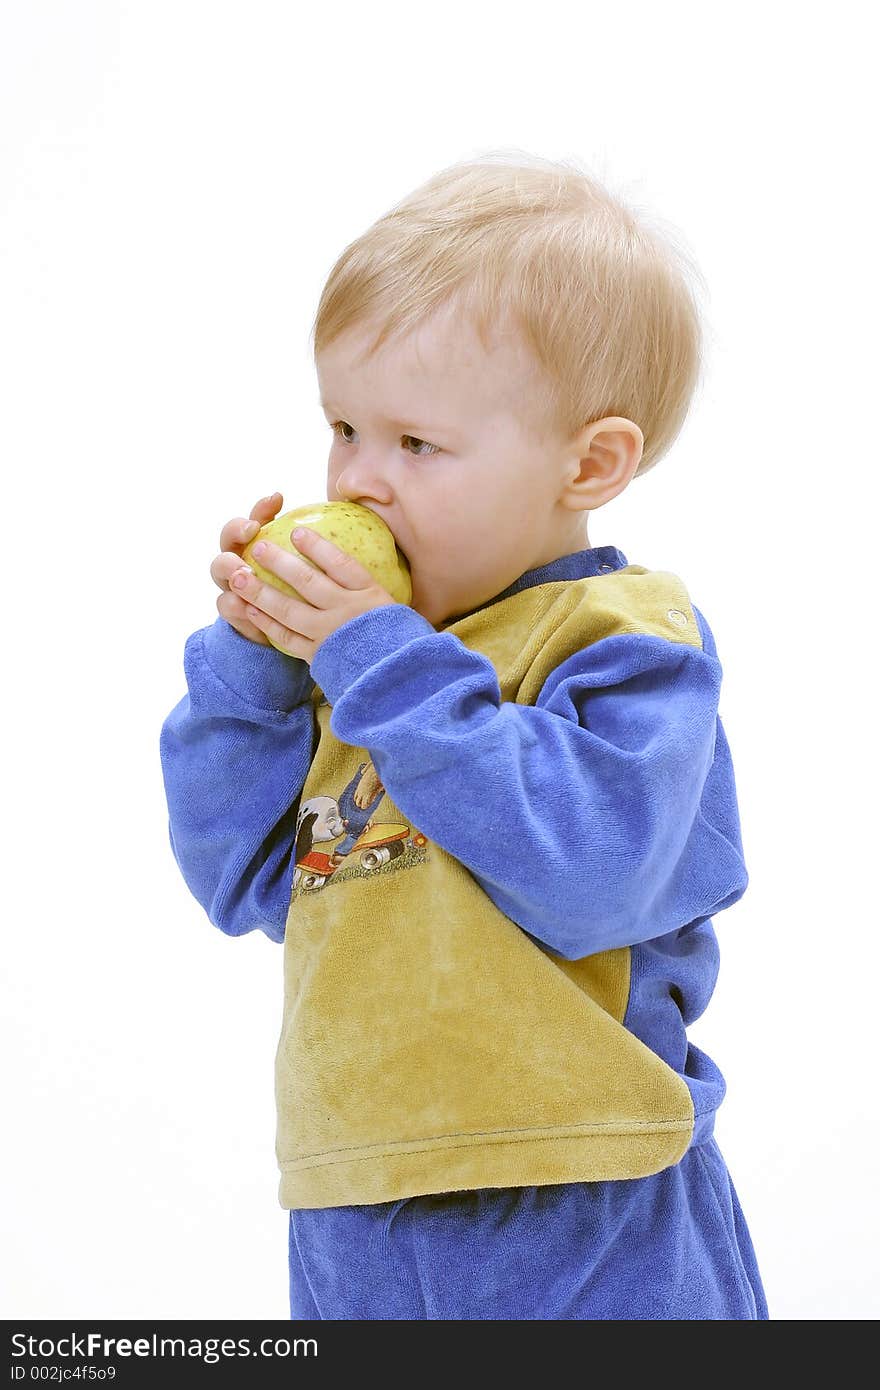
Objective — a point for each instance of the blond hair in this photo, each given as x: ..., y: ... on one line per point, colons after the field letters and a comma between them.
x: 604, y: 303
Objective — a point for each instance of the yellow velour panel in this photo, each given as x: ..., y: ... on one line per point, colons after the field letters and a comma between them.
x: 428, y: 1043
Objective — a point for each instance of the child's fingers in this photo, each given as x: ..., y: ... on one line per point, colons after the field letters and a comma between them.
x: 241, y: 529
x: 233, y: 539
x: 237, y: 533
x: 234, y: 609
x: 266, y: 508
x: 223, y: 566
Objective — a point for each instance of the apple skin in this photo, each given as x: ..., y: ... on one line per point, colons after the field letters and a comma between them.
x: 350, y: 527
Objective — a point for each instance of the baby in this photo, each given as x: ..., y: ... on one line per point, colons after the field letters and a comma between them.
x: 490, y: 827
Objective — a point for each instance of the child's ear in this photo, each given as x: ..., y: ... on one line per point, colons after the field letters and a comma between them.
x: 602, y: 460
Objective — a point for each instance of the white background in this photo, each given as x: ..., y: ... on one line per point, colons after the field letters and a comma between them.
x: 177, y: 180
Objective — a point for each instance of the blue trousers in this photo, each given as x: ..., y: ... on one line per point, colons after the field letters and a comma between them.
x: 673, y: 1246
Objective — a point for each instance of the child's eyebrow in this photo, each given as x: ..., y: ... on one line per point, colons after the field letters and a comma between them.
x: 399, y: 424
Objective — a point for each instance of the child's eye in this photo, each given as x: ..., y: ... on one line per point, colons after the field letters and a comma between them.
x: 430, y: 448
x: 339, y: 425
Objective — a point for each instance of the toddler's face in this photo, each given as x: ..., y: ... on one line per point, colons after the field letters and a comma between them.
x: 429, y: 434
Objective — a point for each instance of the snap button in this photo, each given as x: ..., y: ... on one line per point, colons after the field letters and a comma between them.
x: 606, y: 567
x: 676, y: 616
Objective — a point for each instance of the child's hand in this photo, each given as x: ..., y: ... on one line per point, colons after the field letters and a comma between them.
x: 233, y: 539
x: 330, y: 588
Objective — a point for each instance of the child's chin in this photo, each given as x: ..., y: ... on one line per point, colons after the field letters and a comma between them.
x: 424, y: 606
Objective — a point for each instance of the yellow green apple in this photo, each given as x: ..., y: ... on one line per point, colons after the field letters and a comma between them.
x: 352, y: 528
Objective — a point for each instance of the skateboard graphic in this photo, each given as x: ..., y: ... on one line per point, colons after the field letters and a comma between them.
x: 378, y: 845
x: 363, y: 843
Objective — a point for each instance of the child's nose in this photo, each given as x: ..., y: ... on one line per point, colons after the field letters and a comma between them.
x: 365, y: 481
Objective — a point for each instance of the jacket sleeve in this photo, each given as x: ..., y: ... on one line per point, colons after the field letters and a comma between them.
x: 603, y: 815
x: 235, y: 752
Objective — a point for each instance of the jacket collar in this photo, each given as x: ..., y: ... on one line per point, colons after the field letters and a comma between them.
x: 580, y: 564
x: 598, y: 559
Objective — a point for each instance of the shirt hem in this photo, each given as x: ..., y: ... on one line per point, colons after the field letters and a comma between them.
x: 365, y: 1176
